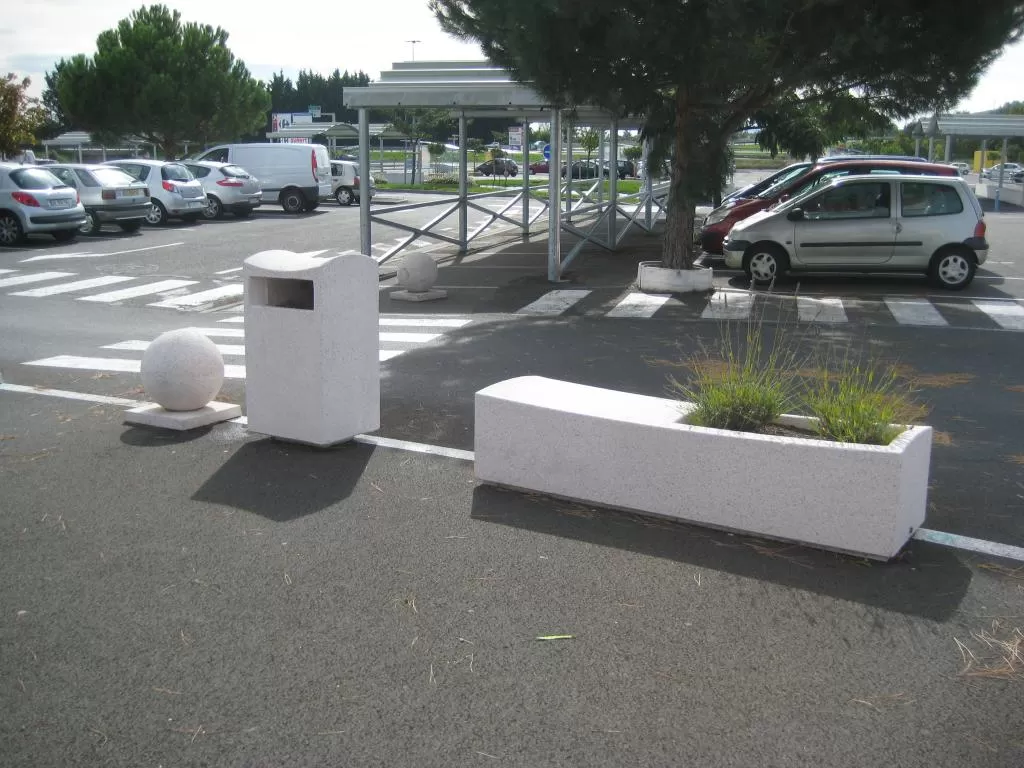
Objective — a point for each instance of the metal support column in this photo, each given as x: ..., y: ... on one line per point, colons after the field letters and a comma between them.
x: 1002, y: 166
x: 568, y: 170
x: 984, y: 157
x: 526, y: 178
x: 648, y: 184
x: 613, y: 180
x: 365, y: 236
x: 554, y: 200
x: 949, y: 148
x: 917, y: 146
x: 600, y: 166
x: 931, y: 148
x: 381, y: 141
x: 463, y: 184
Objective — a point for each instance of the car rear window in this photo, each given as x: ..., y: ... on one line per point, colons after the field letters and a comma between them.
x: 929, y: 200
x: 35, y: 178
x: 112, y: 177
x: 234, y: 172
x: 175, y: 172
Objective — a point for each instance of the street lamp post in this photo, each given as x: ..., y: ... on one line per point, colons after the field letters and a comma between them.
x: 412, y: 44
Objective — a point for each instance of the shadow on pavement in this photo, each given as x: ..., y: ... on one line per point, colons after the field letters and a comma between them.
x: 147, y: 437
x: 285, y: 481
x: 925, y: 580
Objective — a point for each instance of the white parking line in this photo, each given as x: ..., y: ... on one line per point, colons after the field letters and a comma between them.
x: 229, y: 271
x: 637, y: 304
x: 193, y: 300
x: 554, y: 302
x: 1005, y: 314
x: 970, y: 544
x: 78, y: 285
x: 825, y: 310
x: 98, y: 255
x: 35, y: 277
x: 135, y: 345
x: 728, y: 305
x: 915, y: 312
x: 139, y: 290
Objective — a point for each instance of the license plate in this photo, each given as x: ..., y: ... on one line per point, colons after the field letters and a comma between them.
x: 62, y: 203
x: 195, y: 203
x: 132, y: 193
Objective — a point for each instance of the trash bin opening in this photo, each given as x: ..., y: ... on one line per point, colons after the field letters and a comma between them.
x: 282, y: 292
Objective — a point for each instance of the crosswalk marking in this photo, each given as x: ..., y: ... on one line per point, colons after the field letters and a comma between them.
x: 554, y: 302
x: 119, y: 365
x: 35, y: 277
x: 193, y: 300
x: 139, y: 290
x: 639, y: 305
x: 430, y: 322
x: 136, y: 345
x: 1008, y: 315
x: 728, y: 305
x: 6, y: 271
x: 77, y: 285
x: 915, y: 312
x: 826, y: 310
x: 228, y: 333
x: 239, y: 319
x: 419, y: 338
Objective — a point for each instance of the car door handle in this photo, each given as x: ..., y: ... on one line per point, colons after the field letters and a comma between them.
x: 899, y: 227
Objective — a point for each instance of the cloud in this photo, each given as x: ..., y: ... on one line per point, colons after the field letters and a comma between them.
x: 33, y: 62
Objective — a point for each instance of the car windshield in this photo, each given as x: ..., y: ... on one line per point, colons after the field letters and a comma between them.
x: 35, y: 178
x: 235, y: 172
x: 112, y: 177
x: 175, y: 172
x: 778, y: 185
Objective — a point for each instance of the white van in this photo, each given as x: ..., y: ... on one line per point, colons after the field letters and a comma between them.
x: 296, y: 175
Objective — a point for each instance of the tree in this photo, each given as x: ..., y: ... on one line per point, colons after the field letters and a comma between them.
x: 20, y: 115
x: 162, y: 80
x: 588, y: 141
x: 807, y: 129
x: 698, y: 70
x: 418, y: 125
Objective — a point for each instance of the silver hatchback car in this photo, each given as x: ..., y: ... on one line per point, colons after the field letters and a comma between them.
x: 110, y: 195
x: 869, y: 223
x: 228, y: 188
x: 34, y: 200
x: 173, y: 191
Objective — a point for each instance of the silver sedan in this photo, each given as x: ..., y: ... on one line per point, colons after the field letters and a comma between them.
x: 110, y: 195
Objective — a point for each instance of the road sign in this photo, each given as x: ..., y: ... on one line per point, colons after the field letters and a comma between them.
x: 313, y: 110
x: 547, y: 151
x: 515, y: 136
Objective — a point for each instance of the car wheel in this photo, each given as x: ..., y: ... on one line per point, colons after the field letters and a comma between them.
x: 130, y: 226
x: 343, y: 196
x: 312, y: 206
x: 953, y: 268
x: 213, y: 209
x: 11, y: 232
x: 292, y: 201
x: 157, y: 214
x: 242, y: 213
x: 763, y: 262
x: 65, y: 235
x: 91, y: 225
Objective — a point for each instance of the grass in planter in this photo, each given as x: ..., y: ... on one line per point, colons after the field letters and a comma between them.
x: 860, y: 402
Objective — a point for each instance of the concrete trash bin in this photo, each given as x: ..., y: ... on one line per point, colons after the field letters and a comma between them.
x: 311, y: 346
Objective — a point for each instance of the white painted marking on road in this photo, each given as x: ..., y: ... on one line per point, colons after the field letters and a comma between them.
x: 826, y: 310
x: 193, y: 300
x: 135, y: 345
x: 78, y: 285
x: 1007, y: 314
x: 728, y: 305
x: 996, y: 277
x: 638, y: 305
x: 1008, y: 551
x: 67, y: 395
x: 425, y: 322
x: 554, y: 302
x: 139, y: 290
x: 35, y: 277
x: 915, y: 312
x: 387, y: 354
x: 229, y: 271
x: 239, y: 319
x: 5, y: 271
x: 405, y: 445
x: 418, y: 338
x: 89, y: 363
x: 98, y: 255
x: 229, y: 333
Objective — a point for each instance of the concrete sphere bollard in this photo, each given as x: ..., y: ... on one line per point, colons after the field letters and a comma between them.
x: 418, y: 273
x: 182, y: 370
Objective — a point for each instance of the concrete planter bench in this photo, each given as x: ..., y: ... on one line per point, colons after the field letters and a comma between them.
x: 635, y: 453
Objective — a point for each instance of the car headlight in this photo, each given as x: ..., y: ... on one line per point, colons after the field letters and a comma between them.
x: 717, y: 216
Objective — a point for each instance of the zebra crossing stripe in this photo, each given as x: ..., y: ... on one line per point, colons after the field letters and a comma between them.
x: 638, y: 305
x: 728, y: 305
x: 136, y: 345
x: 228, y: 333
x: 77, y: 285
x: 827, y: 310
x: 6, y: 271
x: 239, y: 319
x: 915, y: 312
x: 139, y: 290
x: 398, y: 322
x: 1009, y: 315
x: 193, y: 300
x: 554, y: 302
x: 35, y: 277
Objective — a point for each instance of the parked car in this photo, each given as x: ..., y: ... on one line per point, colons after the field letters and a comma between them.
x: 110, y: 195
x: 583, y: 169
x: 1018, y: 177
x: 718, y: 223
x: 1008, y: 170
x: 33, y: 200
x: 962, y: 168
x: 173, y: 191
x: 867, y: 223
x: 501, y: 166
x: 541, y: 166
x: 346, y: 184
x: 298, y: 176
x: 626, y: 168
x: 751, y: 190
x: 227, y: 187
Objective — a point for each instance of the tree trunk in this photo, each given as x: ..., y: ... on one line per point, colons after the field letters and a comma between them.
x: 678, y: 247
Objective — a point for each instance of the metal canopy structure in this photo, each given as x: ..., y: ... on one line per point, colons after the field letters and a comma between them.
x: 480, y: 89
x: 333, y: 131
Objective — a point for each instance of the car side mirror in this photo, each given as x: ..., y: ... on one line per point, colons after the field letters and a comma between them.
x: 796, y: 214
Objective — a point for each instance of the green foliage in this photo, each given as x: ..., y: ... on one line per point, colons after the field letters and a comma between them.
x: 313, y: 88
x: 163, y: 80
x: 436, y: 149
x: 807, y: 129
x: 860, y: 402
x: 699, y: 70
x: 443, y: 180
x: 589, y: 141
x: 633, y: 153
x: 20, y: 115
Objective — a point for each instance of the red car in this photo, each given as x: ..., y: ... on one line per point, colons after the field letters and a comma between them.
x: 539, y: 167
x: 718, y: 223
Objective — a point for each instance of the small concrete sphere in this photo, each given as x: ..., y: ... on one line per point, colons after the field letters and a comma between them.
x: 418, y: 272
x: 182, y: 370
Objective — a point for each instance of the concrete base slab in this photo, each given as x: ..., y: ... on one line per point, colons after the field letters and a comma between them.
x: 432, y: 295
x: 158, y: 416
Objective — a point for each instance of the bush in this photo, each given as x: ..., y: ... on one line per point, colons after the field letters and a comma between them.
x: 443, y: 180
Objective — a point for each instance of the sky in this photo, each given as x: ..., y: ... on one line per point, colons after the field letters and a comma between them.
x: 318, y: 36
